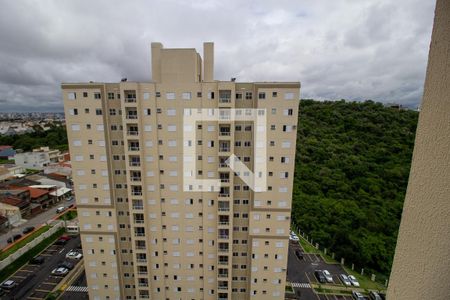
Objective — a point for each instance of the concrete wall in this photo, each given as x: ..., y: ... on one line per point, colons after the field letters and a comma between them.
x: 422, y: 258
x: 10, y: 259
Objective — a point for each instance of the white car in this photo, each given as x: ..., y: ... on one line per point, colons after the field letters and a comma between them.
x: 353, y: 280
x: 60, y: 271
x: 8, y: 284
x: 73, y: 254
x: 345, y: 280
x: 294, y: 237
x: 60, y: 209
x: 327, y: 275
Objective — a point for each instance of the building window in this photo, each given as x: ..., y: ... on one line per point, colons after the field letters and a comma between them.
x: 110, y: 96
x: 248, y: 95
x: 85, y: 94
x: 261, y: 95
x: 98, y: 111
x: 97, y: 96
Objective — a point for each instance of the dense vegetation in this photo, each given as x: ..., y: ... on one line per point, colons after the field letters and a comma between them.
x: 351, y: 173
x: 55, y: 138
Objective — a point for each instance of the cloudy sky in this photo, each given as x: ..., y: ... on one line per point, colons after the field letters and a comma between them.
x: 351, y: 49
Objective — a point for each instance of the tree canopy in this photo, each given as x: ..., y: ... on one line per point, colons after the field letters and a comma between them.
x: 352, y: 168
x: 55, y: 138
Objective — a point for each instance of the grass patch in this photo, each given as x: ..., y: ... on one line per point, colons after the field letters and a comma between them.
x: 13, y: 267
x: 307, y: 246
x: 69, y: 215
x: 288, y: 289
x: 365, y: 282
x: 6, y: 161
x: 322, y: 290
x: 23, y: 242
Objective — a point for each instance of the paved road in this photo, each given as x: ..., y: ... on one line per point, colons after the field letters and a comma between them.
x: 37, y: 281
x: 35, y: 221
x: 78, y: 289
x: 301, y: 274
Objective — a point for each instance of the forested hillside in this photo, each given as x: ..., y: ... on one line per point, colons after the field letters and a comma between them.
x: 351, y: 173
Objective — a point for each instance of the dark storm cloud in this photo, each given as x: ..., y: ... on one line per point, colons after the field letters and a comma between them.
x: 338, y: 49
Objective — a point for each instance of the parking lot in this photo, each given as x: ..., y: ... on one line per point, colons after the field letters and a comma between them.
x: 301, y: 274
x: 35, y: 281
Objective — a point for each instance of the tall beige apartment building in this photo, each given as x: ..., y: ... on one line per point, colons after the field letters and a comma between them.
x: 146, y: 234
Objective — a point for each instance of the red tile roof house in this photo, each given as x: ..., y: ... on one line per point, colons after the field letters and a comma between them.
x: 7, y: 152
x: 38, y: 196
x: 23, y: 205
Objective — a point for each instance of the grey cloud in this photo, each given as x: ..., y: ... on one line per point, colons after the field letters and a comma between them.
x: 338, y: 49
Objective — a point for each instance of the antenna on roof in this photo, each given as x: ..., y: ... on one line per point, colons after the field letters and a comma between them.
x: 123, y: 79
x: 233, y: 79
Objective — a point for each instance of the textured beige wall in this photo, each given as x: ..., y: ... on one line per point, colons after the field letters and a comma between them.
x: 422, y: 259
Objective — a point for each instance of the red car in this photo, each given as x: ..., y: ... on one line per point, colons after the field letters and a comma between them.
x: 65, y: 238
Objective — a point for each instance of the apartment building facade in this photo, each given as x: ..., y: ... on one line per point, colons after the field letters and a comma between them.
x: 146, y: 234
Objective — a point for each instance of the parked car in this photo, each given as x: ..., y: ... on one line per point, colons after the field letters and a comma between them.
x: 353, y: 280
x: 28, y: 229
x: 357, y: 295
x: 8, y: 284
x: 60, y: 209
x: 383, y: 296
x: 14, y: 238
x: 71, y: 198
x: 66, y: 264
x: 327, y: 275
x: 374, y: 296
x: 294, y: 238
x: 60, y: 271
x: 65, y: 237
x: 320, y: 277
x: 61, y: 242
x: 299, y: 254
x: 37, y: 260
x: 73, y: 254
x: 345, y: 280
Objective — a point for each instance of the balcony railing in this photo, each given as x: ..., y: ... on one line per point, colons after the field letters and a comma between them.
x: 224, y: 195
x: 224, y: 209
x: 133, y: 132
x: 144, y: 296
x: 224, y: 236
x: 130, y: 100
x: 223, y: 165
x: 135, y: 178
x: 133, y: 148
x: 138, y: 221
x: 139, y: 207
x: 142, y: 273
x: 141, y: 248
x: 223, y: 250
x: 224, y: 179
x: 141, y: 260
x: 141, y: 284
x: 139, y: 234
x: 223, y: 275
x: 224, y: 223
x: 136, y: 193
x: 224, y: 149
x: 222, y: 288
x: 223, y: 262
x: 224, y: 133
x: 132, y: 117
x: 135, y: 164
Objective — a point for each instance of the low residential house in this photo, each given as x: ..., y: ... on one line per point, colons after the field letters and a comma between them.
x: 3, y: 223
x: 10, y: 171
x: 4, y: 174
x: 23, y: 205
x: 40, y: 197
x: 62, y: 169
x: 18, y: 198
x: 11, y: 212
x: 7, y: 152
x: 38, y: 159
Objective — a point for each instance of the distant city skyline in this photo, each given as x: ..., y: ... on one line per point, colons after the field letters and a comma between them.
x: 338, y: 50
